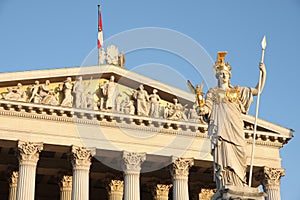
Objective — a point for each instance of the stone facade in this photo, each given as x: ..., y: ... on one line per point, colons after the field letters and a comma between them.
x: 87, y: 146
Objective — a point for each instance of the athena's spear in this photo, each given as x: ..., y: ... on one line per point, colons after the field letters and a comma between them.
x: 263, y: 46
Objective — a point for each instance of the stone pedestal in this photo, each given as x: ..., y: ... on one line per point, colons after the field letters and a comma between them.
x: 180, y: 171
x: 240, y: 193
x: 131, y: 167
x: 116, y: 188
x: 271, y: 182
x: 66, y: 188
x: 161, y: 192
x: 13, y: 183
x: 81, y: 161
x: 28, y: 158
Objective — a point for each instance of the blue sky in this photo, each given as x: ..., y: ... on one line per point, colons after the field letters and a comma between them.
x: 52, y: 34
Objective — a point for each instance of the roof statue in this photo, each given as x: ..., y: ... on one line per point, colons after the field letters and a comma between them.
x: 111, y: 56
x: 112, y: 53
x: 223, y: 108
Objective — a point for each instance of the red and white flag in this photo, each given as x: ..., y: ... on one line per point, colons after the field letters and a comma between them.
x: 100, y: 33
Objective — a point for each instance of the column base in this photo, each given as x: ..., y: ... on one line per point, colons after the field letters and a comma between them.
x: 238, y: 193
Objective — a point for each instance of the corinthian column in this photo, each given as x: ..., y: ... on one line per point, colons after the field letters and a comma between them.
x: 66, y: 188
x: 116, y: 188
x: 180, y: 172
x: 28, y: 155
x: 161, y: 192
x: 81, y: 162
x: 13, y: 183
x: 131, y: 167
x: 271, y: 182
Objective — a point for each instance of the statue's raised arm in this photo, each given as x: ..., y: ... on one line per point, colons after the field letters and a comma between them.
x: 262, y: 67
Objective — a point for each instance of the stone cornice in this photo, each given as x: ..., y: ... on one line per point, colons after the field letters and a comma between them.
x: 93, y: 117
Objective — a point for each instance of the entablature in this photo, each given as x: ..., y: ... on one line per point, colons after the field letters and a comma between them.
x: 113, y: 119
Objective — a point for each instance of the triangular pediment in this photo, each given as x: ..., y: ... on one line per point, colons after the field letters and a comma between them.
x: 123, y: 77
x: 127, y: 82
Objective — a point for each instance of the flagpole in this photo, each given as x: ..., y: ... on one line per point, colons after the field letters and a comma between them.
x: 98, y: 54
x: 263, y: 45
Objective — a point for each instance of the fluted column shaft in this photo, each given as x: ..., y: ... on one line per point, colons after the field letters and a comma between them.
x: 132, y: 185
x: 131, y: 167
x: 180, y: 188
x: 271, y: 182
x: 66, y: 188
x: 81, y: 161
x: 116, y: 188
x: 13, y: 183
x: 28, y: 158
x: 180, y: 171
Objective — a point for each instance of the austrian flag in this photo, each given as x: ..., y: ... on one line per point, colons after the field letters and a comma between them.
x: 100, y: 33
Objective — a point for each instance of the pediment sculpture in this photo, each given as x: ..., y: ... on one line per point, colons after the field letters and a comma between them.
x: 108, y: 96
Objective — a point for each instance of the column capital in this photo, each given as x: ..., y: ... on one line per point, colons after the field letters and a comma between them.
x: 13, y: 179
x: 29, y: 151
x: 181, y: 166
x: 81, y: 157
x: 132, y: 161
x: 116, y: 186
x: 161, y: 191
x: 272, y: 176
x: 65, y: 182
x: 206, y: 194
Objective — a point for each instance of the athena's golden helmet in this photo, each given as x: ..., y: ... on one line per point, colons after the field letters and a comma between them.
x: 220, y: 64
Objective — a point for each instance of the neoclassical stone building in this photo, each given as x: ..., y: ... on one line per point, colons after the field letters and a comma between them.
x: 95, y: 133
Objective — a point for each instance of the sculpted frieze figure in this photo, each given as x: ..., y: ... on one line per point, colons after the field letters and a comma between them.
x: 67, y: 87
x: 129, y: 107
x: 90, y: 102
x: 44, y: 89
x: 79, y: 90
x: 154, y: 104
x: 142, y: 99
x: 47, y: 94
x: 110, y: 91
x: 223, y: 107
x: 35, y: 97
x: 17, y: 94
x: 177, y: 111
x: 167, y: 109
x: 100, y: 94
x: 193, y: 114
